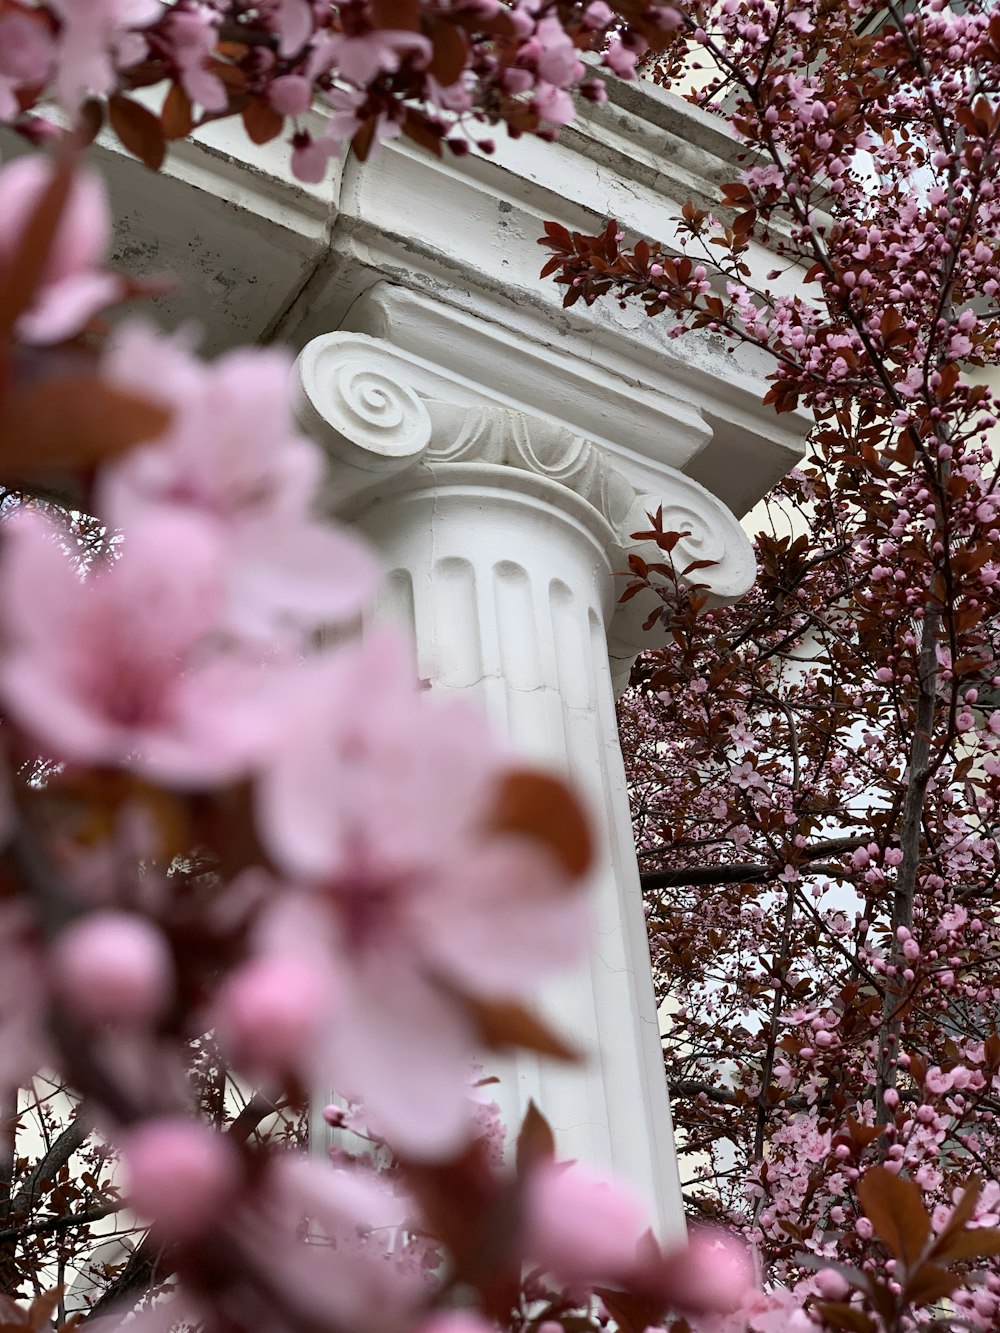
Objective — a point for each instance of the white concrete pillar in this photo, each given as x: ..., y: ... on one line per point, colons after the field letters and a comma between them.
x: 501, y: 535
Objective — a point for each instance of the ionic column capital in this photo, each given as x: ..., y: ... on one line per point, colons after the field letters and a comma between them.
x: 382, y: 436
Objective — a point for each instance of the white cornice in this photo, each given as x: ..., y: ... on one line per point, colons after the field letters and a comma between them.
x: 455, y: 241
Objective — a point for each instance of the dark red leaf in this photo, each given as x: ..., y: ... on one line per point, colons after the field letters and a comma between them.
x: 537, y: 805
x: 535, y: 1141
x: 895, y: 1208
x: 261, y: 122
x: 138, y: 129
x: 177, y: 116
x: 20, y: 277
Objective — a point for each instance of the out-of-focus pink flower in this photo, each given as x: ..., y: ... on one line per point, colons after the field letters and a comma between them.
x: 113, y: 967
x: 554, y: 104
x: 27, y: 53
x: 776, y: 1311
x: 98, y: 36
x: 232, y: 457
x: 352, y: 1263
x: 180, y: 1174
x: 378, y: 802
x: 622, y: 59
x: 580, y: 1226
x: 460, y: 1321
x: 326, y: 1244
x: 117, y: 667
x: 192, y: 34
x: 557, y: 61
x: 598, y: 14
x: 831, y: 1285
x: 362, y: 59
x: 295, y: 24
x: 23, y: 1045
x: 712, y: 1273
x: 290, y: 95
x: 457, y: 96
x: 311, y: 156
x: 270, y: 1013
x: 72, y: 288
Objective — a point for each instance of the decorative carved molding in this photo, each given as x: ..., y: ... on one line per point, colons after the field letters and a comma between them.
x: 355, y: 398
x: 502, y: 436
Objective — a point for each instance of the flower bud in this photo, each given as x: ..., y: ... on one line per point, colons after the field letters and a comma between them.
x: 830, y: 1285
x: 269, y: 1011
x: 180, y: 1174
x: 113, y: 967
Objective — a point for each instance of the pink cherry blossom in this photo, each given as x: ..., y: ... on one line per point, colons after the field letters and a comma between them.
x: 461, y: 1321
x: 403, y: 889
x: 294, y: 24
x: 96, y: 35
x: 558, y: 61
x: 27, y: 52
x: 363, y: 58
x: 354, y: 1262
x: 581, y: 1226
x: 192, y: 34
x: 290, y: 95
x: 117, y: 667
x: 72, y: 287
x: 622, y: 59
x: 232, y: 457
x: 714, y: 1272
x: 831, y: 1285
x: 270, y: 1013
x: 553, y: 104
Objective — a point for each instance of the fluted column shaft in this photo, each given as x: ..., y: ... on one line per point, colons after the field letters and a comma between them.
x: 505, y: 580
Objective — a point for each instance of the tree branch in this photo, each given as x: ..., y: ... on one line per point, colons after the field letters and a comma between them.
x: 745, y: 872
x: 64, y: 1223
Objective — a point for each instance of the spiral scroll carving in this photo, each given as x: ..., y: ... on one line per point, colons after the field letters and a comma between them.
x: 355, y: 399
x: 373, y: 409
x: 711, y: 532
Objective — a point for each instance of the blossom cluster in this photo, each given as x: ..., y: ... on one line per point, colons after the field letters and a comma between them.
x: 815, y: 770
x: 373, y: 69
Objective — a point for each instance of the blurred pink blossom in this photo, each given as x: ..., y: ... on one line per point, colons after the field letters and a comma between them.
x: 378, y: 803
x: 362, y: 59
x: 580, y: 1226
x: 232, y: 458
x: 72, y: 288
x: 295, y: 24
x: 112, y: 967
x: 192, y: 34
x: 27, y: 52
x: 180, y: 1174
x: 714, y: 1272
x: 97, y: 36
x: 270, y: 1013
x: 117, y: 667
